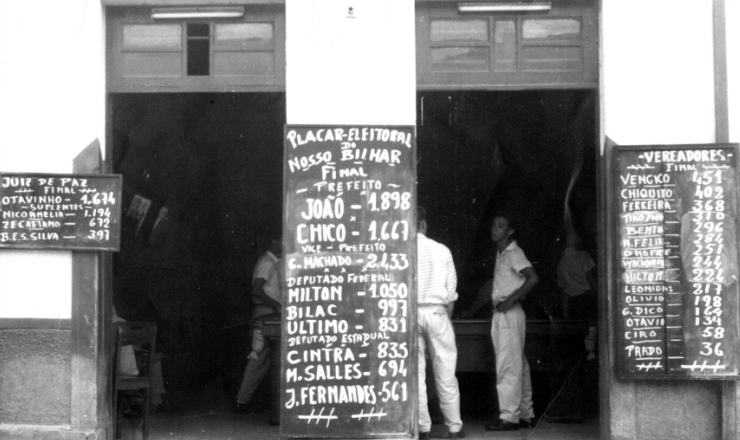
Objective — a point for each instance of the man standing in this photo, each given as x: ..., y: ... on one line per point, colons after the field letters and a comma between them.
x: 437, y: 284
x: 267, y: 301
x: 513, y: 278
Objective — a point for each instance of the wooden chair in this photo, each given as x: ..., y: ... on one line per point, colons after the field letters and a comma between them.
x: 142, y: 336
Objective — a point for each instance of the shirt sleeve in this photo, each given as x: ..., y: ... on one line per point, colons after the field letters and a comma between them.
x: 264, y: 270
x: 519, y: 261
x: 451, y: 280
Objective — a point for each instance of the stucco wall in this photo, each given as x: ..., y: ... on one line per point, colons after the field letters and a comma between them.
x: 52, y: 84
x: 732, y: 26
x: 658, y: 71
x: 35, y: 377
x: 350, y: 66
x: 658, y: 88
x: 678, y: 410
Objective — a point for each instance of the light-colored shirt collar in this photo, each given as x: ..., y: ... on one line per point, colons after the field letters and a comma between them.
x: 509, y: 248
x: 272, y: 256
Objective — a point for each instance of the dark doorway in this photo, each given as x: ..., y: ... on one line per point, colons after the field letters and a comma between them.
x: 533, y: 155
x: 202, y: 180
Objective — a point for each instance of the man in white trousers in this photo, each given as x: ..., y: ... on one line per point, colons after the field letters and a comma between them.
x: 513, y: 278
x: 437, y: 284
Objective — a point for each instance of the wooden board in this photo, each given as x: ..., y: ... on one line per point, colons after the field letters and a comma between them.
x: 349, y: 318
x: 677, y: 254
x: 60, y: 211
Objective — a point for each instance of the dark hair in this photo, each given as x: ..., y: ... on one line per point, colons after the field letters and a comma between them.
x: 266, y: 237
x: 421, y: 215
x: 513, y: 224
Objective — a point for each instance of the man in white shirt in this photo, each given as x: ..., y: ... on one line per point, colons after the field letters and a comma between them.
x: 513, y: 278
x: 436, y: 296
x: 267, y: 301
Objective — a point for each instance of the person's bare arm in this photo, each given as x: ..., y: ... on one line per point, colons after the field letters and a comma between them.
x: 531, y: 280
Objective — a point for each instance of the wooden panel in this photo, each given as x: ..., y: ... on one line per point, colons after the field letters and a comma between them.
x: 460, y: 59
x: 152, y: 64
x: 243, y: 63
x: 87, y: 361
x: 552, y: 58
x: 152, y: 36
x: 475, y: 349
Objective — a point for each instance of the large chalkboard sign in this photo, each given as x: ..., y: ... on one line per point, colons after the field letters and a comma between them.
x: 677, y: 254
x: 349, y: 319
x: 60, y: 211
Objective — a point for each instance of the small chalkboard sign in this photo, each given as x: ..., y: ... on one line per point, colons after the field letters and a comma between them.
x: 60, y: 211
x: 349, y: 302
x: 677, y: 261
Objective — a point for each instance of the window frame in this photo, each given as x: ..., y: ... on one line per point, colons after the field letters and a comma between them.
x: 120, y: 82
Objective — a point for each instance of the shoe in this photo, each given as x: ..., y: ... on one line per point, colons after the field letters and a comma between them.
x: 459, y: 434
x: 425, y: 435
x: 502, y: 425
x: 528, y: 423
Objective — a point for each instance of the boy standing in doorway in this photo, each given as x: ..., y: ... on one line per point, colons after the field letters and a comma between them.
x: 513, y: 278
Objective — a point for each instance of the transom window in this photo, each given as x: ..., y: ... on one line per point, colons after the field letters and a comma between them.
x: 218, y: 49
x: 506, y: 44
x: 196, y: 54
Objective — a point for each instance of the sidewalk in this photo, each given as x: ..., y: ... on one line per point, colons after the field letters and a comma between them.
x: 223, y: 425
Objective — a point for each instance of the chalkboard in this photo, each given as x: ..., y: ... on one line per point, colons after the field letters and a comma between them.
x: 677, y: 255
x: 60, y: 211
x: 349, y: 303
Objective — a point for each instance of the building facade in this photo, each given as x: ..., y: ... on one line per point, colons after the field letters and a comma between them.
x: 646, y: 72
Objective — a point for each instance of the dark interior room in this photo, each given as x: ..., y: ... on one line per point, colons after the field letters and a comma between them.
x: 203, y: 186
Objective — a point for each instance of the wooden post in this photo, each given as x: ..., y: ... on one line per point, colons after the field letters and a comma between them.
x: 89, y: 378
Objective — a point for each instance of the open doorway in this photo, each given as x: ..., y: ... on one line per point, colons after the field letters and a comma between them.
x: 533, y: 155
x: 202, y: 180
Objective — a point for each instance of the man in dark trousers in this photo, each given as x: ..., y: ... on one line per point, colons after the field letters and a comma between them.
x: 437, y: 284
x: 267, y: 301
